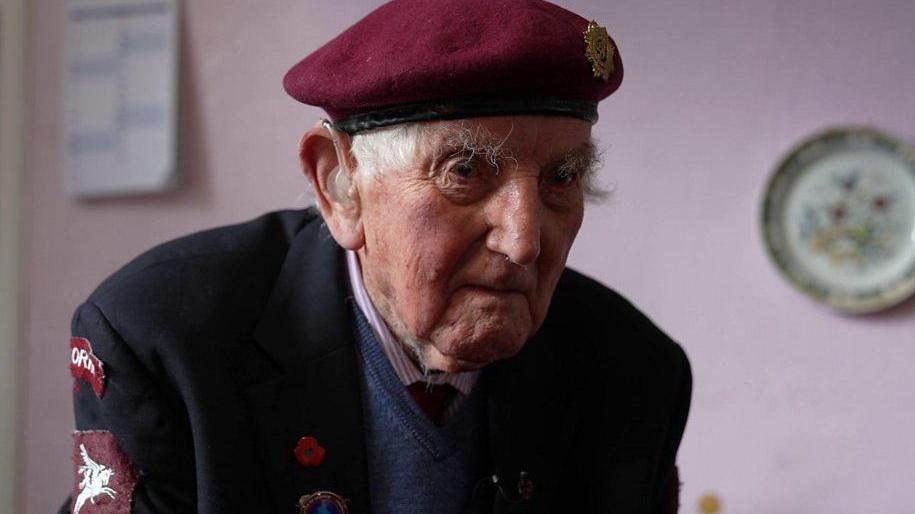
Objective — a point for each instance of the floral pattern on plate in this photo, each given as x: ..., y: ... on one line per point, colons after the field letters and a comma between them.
x: 839, y: 219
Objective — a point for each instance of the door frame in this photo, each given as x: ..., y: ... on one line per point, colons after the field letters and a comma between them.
x: 13, y: 33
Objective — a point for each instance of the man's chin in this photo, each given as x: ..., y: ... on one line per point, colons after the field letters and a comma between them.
x: 459, y: 362
x: 447, y: 364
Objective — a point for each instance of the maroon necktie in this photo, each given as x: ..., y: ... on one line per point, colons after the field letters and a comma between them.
x: 432, y: 399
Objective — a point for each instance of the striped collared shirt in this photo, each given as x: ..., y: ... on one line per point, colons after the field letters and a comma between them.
x: 406, y: 371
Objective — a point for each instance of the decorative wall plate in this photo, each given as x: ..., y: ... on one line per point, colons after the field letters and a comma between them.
x: 839, y: 219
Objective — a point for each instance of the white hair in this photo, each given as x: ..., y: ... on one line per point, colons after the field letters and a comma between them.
x: 397, y: 146
x: 387, y: 148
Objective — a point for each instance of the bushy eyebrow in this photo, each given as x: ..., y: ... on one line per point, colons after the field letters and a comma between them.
x: 481, y: 143
x: 584, y: 160
x: 477, y: 142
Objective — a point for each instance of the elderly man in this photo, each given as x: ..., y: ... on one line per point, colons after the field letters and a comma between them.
x: 414, y: 344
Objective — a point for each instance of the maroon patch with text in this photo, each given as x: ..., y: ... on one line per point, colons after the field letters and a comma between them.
x: 84, y: 365
x: 105, y: 477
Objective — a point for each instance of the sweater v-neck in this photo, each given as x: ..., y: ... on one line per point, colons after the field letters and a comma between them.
x: 440, y: 441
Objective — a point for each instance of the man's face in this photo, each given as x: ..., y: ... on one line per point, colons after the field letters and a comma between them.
x: 464, y: 248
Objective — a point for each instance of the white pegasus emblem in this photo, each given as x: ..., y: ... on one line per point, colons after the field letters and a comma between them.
x: 95, y: 481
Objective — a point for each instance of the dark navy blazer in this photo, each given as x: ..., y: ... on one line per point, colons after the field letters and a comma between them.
x: 223, y: 348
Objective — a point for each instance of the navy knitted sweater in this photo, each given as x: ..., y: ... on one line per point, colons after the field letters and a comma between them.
x: 415, y: 466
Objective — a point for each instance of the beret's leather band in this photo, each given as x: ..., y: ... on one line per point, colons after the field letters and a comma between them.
x: 467, y: 108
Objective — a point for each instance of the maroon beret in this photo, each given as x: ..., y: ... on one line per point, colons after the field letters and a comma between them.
x: 416, y: 60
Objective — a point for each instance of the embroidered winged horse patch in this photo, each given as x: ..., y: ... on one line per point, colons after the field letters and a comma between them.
x: 105, y: 477
x: 95, y: 481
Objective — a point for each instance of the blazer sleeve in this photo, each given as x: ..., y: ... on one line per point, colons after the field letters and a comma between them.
x: 135, y: 428
x: 668, y: 486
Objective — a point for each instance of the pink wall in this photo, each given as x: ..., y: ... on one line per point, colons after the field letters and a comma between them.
x: 796, y: 409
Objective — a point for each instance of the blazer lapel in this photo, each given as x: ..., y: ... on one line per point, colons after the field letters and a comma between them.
x: 533, y: 414
x: 306, y: 329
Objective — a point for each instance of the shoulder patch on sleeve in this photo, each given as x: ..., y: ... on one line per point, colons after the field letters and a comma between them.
x: 84, y: 365
x: 104, y: 476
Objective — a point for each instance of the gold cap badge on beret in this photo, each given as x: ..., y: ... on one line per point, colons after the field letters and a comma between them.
x: 599, y: 51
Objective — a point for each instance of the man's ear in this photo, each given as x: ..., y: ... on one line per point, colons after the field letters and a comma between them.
x: 336, y: 194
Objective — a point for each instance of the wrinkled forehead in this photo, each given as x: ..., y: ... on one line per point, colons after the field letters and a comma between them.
x: 535, y: 138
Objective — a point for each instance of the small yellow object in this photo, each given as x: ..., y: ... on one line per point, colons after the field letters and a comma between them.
x: 599, y: 51
x: 709, y: 504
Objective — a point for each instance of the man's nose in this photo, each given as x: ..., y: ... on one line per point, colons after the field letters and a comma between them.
x: 515, y: 218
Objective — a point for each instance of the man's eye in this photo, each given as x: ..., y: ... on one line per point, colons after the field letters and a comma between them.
x: 465, y: 169
x: 563, y: 177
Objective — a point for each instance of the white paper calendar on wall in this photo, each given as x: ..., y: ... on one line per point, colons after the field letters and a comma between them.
x: 120, y: 97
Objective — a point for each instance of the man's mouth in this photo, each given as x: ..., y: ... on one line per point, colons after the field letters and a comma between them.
x: 493, y: 291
